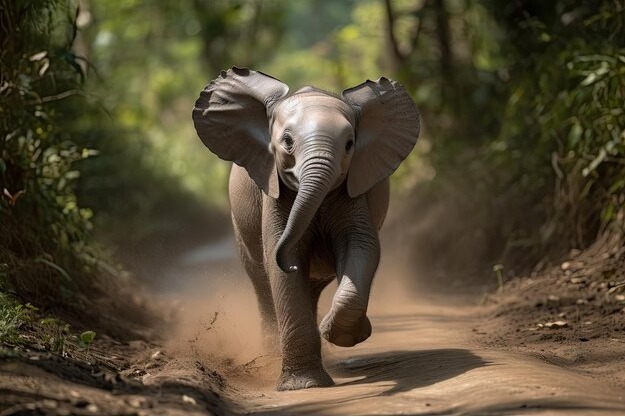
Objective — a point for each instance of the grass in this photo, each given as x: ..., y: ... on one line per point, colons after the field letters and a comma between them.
x: 13, y: 317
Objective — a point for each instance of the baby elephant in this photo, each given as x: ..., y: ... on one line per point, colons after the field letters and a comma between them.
x: 309, y: 191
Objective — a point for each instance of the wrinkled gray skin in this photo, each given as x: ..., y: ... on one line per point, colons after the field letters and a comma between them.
x: 309, y: 191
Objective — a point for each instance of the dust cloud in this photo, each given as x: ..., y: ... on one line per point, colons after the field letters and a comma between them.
x: 422, y: 357
x: 216, y: 314
x: 217, y: 321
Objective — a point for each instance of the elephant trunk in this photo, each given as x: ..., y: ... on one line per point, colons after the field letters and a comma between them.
x: 317, y: 176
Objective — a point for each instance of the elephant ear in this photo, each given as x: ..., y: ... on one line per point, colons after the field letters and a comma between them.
x: 231, y: 119
x: 387, y: 130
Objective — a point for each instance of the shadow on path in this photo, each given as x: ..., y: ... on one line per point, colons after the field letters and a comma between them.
x: 408, y: 369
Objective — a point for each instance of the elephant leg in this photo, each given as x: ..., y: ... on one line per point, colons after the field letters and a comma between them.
x: 299, y: 338
x: 357, y: 250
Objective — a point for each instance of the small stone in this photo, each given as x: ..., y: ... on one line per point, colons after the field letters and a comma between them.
x: 575, y: 280
x: 562, y: 315
x: 581, y: 301
x: 188, y: 400
x: 47, y: 403
x: 586, y: 323
x: 619, y: 297
x: 565, y: 265
x: 556, y: 324
x: 92, y: 408
x: 156, y: 354
x: 553, y: 298
x: 137, y: 402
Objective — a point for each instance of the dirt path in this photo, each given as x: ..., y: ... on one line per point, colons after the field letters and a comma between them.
x: 426, y: 360
x: 427, y: 355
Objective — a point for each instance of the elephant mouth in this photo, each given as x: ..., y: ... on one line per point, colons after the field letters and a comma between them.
x: 289, y: 179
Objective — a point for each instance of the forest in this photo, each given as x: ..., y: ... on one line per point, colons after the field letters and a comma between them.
x: 514, y: 192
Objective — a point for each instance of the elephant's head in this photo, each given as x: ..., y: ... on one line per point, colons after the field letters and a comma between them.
x: 310, y: 141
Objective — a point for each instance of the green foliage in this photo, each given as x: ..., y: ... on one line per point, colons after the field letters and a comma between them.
x: 13, y: 316
x: 521, y: 104
x: 43, y: 228
x: 54, y: 334
x: 563, y: 126
x: 46, y: 254
x: 86, y: 338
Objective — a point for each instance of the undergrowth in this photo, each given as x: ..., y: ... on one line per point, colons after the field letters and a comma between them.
x: 47, y: 257
x: 529, y: 160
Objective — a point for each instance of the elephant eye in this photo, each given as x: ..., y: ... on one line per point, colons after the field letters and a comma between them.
x: 349, y: 145
x: 287, y: 142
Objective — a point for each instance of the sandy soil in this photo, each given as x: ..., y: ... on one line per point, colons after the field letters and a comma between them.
x: 427, y: 355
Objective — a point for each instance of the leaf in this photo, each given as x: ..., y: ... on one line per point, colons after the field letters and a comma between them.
x: 44, y: 68
x: 38, y: 56
x: 595, y: 162
x: 87, y: 337
x: 60, y: 270
x: 575, y: 134
x: 596, y: 75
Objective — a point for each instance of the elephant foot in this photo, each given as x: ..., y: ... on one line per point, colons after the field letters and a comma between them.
x: 306, y: 378
x: 342, y: 332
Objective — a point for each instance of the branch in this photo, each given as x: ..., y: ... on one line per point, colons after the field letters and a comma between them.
x: 59, y: 96
x: 390, y: 21
x: 417, y: 32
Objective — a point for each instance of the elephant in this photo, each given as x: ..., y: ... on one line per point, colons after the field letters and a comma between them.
x: 309, y: 191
